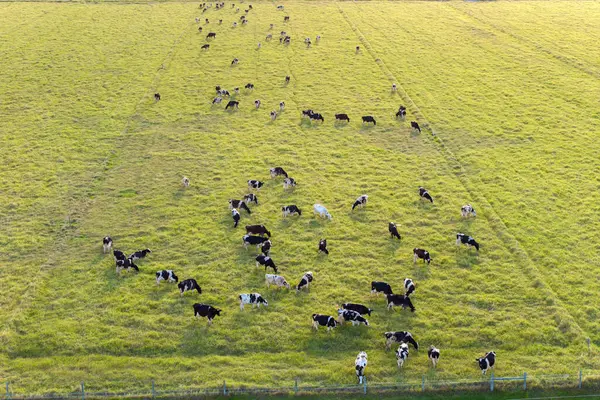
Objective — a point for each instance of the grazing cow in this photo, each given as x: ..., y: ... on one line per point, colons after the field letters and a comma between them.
x: 487, y: 361
x: 253, y: 240
x: 286, y: 18
x: 252, y: 298
x: 236, y: 90
x: 399, y: 300
x: 369, y: 118
x: 322, y: 211
x: 166, y: 275
x: 119, y: 255
x: 217, y: 100
x: 218, y: 89
x: 106, y: 244
x: 361, y: 201
x: 467, y: 210
x: 393, y: 230
x: 394, y: 87
x: 244, y: 22
x: 239, y: 204
x: 359, y: 308
x: 225, y: 93
x: 468, y: 240
x: 211, y: 35
x: 139, y: 254
x: 257, y: 104
x: 204, y: 310
x: 287, y: 79
x: 425, y: 194
x: 415, y: 126
x: 409, y: 287
x: 277, y: 171
x: 281, y: 105
x: 235, y: 214
x: 357, y: 49
x: 290, y: 210
x: 199, y: 29
x: 401, y: 112
x: 276, y: 280
x: 287, y: 40
x: 234, y: 24
x: 307, y: 113
x: 255, y: 184
x: 323, y: 246
x: 306, y: 279
x: 188, y: 284
x: 185, y: 181
x: 288, y: 182
x: 380, y: 287
x: 351, y: 316
x: 324, y: 320
x: 205, y: 47
x: 360, y: 364
x: 265, y: 248
x: 434, y: 355
x: 342, y: 117
x: 269, y: 37
x: 316, y: 117
x: 125, y: 264
x: 402, y: 354
x: 423, y: 254
x: 156, y: 96
x: 280, y: 7
x: 399, y: 337
x: 251, y: 198
x: 273, y: 115
x: 235, y: 61
x: 249, y: 86
x: 266, y: 261
x: 258, y: 230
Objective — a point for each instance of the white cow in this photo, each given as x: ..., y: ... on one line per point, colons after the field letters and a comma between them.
x: 322, y: 211
x: 276, y: 280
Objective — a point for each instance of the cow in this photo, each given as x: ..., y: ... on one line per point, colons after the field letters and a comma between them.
x: 119, y: 255
x: 244, y: 22
x: 360, y: 364
x: 224, y: 93
x: 249, y: 86
x: 251, y: 198
x: 290, y: 210
x: 199, y: 29
x: 276, y: 280
x: 321, y: 211
x: 289, y: 182
x: 342, y: 117
x: 281, y: 106
x: 286, y: 18
x: 232, y: 104
x: 106, y: 244
x: 185, y: 181
x: 236, y: 90
x: 258, y: 230
x: 205, y: 47
x: 287, y: 79
x: 305, y: 281
x: 399, y: 337
x: 265, y: 247
x: 401, y: 112
x: 351, y: 316
x: 211, y: 35
x: 424, y: 194
x: 280, y: 8
x: 220, y: 22
x: 235, y: 61
x: 423, y: 254
x: 380, y: 287
x: 357, y: 49
x: 402, y: 354
x: 399, y: 300
x: 316, y: 117
x: 252, y: 298
x: 255, y: 184
x: 323, y: 246
x: 188, y: 284
x: 257, y: 104
x: 307, y: 113
x: 394, y: 87
x: 269, y: 37
x: 234, y: 24
x: 409, y: 287
x: 393, y: 230
x: 125, y: 264
x: 360, y: 202
x: 369, y: 118
x: 468, y: 211
x: 318, y: 38
x: 139, y: 254
x: 156, y: 96
x: 217, y: 100
x: 204, y: 310
x: 467, y: 240
x: 266, y: 261
x: 273, y: 115
x: 239, y: 204
x: 415, y: 126
x: 324, y: 320
x: 434, y: 355
x: 486, y: 362
x: 277, y: 171
x: 359, y: 308
x: 253, y: 240
x: 235, y: 214
x: 287, y: 40
x: 166, y: 275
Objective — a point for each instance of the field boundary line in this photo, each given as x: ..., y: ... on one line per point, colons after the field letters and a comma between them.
x: 456, y: 167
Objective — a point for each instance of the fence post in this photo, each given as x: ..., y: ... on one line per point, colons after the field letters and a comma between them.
x: 492, y: 382
x: 82, y: 390
x: 7, y: 392
x: 365, y: 384
x: 296, y: 386
x: 224, y: 388
x: 579, y: 378
x: 423, y: 383
x: 153, y: 391
x: 524, y: 380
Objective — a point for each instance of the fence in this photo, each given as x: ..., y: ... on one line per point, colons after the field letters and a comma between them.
x: 579, y: 380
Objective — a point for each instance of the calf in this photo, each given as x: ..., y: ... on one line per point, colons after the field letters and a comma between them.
x: 235, y: 214
x: 290, y: 210
x: 252, y: 298
x: 324, y: 320
x: 106, y: 244
x: 278, y: 171
x: 156, y: 96
x: 425, y: 194
x: 369, y: 118
x: 239, y: 204
x: 251, y: 198
x: 434, y: 355
x: 415, y: 126
x: 273, y: 115
x: 360, y: 364
x: 185, y: 181
x: 266, y: 261
x: 281, y: 106
x: 125, y: 264
x: 276, y: 280
x: 323, y: 246
x: 393, y: 230
x: 487, y: 361
x: 205, y: 47
x: 204, y: 310
x: 188, y: 284
x: 401, y: 112
x: 316, y: 117
x: 399, y: 300
x: 359, y: 308
x: 423, y: 254
x: 258, y: 230
x: 253, y: 240
x: 249, y: 86
x: 342, y: 117
x: 468, y: 240
x: 265, y: 248
x: 380, y: 287
x: 232, y: 104
x: 351, y: 316
x: 257, y: 104
x: 409, y: 287
x: 139, y: 254
x: 360, y: 202
x: 211, y: 35
x: 166, y: 275
x: 307, y: 278
x: 288, y: 182
x: 399, y: 337
x: 468, y: 210
x: 254, y: 184
x: 322, y: 211
x: 402, y: 354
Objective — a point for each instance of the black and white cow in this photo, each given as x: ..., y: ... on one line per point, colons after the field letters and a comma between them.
x: 415, y: 126
x: 281, y: 106
x: 380, y: 287
x: 351, y: 316
x: 217, y: 100
x: 466, y: 240
x: 287, y: 79
x: 139, y: 254
x: 265, y: 248
x: 252, y: 298
x: 290, y: 210
x: 166, y: 275
x: 286, y: 18
x: 235, y: 61
x: 258, y: 230
x: 205, y: 47
x: 119, y: 255
x: 399, y: 337
x: 486, y: 362
x: 232, y: 104
x: 255, y: 184
x: 253, y: 240
x: 239, y: 204
x: 409, y: 286
x: 278, y: 171
x: 359, y: 365
x: 360, y: 202
x: 224, y: 93
x: 306, y: 279
x: 235, y: 214
x: 266, y: 261
x: 425, y: 194
x: 342, y: 117
x: 434, y: 355
x: 156, y: 96
x: 106, y: 244
x: 251, y: 198
x: 204, y: 310
x: 187, y: 285
x: 289, y: 182
x: 402, y: 354
x: 125, y: 264
x: 357, y: 49
x: 423, y: 254
x: 249, y: 86
x: 467, y: 211
x: 394, y: 87
x: 369, y: 118
x: 324, y: 320
x: 273, y: 115
x: 401, y: 112
x: 359, y: 308
x: 323, y: 246
x: 316, y: 117
x: 393, y: 230
x: 185, y: 181
x: 307, y: 113
x: 399, y: 300
x: 257, y: 104
x: 276, y: 280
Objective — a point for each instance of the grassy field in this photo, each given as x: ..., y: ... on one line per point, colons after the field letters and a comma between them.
x: 510, y: 90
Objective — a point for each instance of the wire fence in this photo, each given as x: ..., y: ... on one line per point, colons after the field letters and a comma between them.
x: 521, y: 383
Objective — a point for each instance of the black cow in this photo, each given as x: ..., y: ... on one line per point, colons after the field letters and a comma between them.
x: 211, y: 35
x: 400, y: 337
x: 423, y: 254
x: 324, y: 320
x: 369, y: 118
x: 258, y: 230
x: 289, y: 210
x: 254, y: 240
x: 157, y: 96
x: 401, y: 112
x: 434, y: 355
x: 465, y: 239
x: 239, y: 204
x: 342, y: 117
x: 106, y: 244
x: 204, y: 310
x: 199, y: 29
x: 188, y: 284
x: 399, y: 300
x: 119, y: 255
x: 409, y: 286
x: 425, y: 194
x: 323, y: 246
x: 278, y: 171
x: 415, y: 126
x: 359, y: 308
x: 316, y: 117
x: 286, y: 19
x: 254, y: 184
x: 139, y: 254
x: 125, y: 264
x: 205, y: 47
x: 380, y: 287
x: 236, y: 217
x: 233, y: 104
x: 287, y: 79
x: 393, y: 230
x: 266, y: 261
x: 487, y: 361
x: 265, y: 248
x: 351, y: 316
